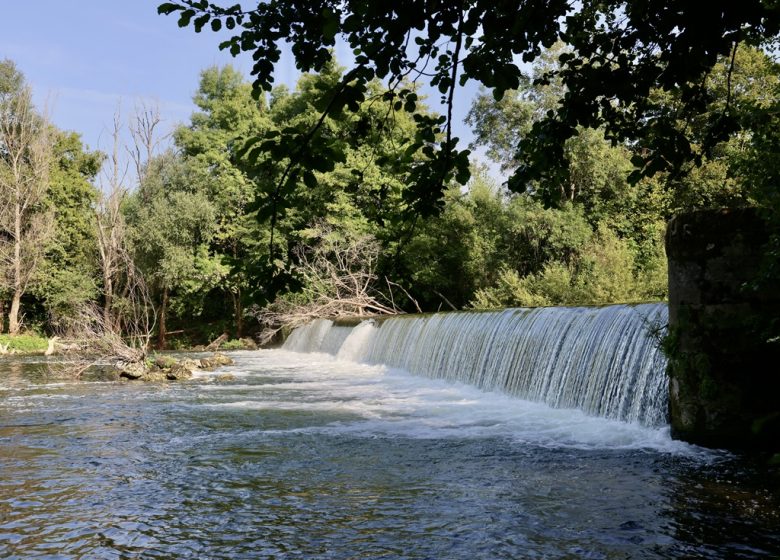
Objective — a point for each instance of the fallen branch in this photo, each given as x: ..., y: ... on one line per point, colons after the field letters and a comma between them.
x: 217, y: 342
x: 339, y: 278
x: 448, y: 302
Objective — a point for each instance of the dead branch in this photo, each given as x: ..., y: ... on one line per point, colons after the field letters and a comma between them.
x: 407, y: 294
x: 124, y: 338
x: 448, y: 302
x: 339, y: 278
x: 146, y: 138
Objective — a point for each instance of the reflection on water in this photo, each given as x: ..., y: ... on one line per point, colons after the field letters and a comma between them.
x: 308, y: 457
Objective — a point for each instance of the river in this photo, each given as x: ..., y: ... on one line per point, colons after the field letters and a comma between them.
x: 306, y: 456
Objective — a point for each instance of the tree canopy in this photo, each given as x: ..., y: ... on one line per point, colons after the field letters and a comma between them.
x: 615, y: 54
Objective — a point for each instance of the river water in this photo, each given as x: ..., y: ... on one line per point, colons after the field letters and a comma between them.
x: 305, y: 456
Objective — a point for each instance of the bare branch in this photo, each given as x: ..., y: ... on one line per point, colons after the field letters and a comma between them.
x: 339, y: 275
x: 144, y: 129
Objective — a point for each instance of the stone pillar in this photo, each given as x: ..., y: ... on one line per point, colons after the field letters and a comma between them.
x: 724, y: 321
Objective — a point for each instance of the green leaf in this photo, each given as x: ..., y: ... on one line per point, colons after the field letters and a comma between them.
x: 309, y: 179
x: 200, y: 22
x: 186, y: 16
x: 216, y: 25
x: 168, y: 8
x: 330, y: 25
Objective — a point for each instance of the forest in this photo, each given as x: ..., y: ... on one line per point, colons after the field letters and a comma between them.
x: 188, y: 241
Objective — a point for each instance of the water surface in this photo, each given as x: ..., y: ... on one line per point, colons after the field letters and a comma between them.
x: 304, y: 456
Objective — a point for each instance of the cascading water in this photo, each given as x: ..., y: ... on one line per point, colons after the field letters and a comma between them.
x: 605, y: 361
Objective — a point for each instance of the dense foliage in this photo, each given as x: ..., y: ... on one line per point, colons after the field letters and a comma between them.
x: 227, y: 200
x: 616, y: 54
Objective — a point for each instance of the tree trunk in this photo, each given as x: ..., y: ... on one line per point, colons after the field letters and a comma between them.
x: 2, y: 316
x: 108, y: 288
x: 238, y: 312
x: 13, y: 314
x: 161, y: 327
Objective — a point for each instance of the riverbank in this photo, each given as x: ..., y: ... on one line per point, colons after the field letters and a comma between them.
x: 33, y: 344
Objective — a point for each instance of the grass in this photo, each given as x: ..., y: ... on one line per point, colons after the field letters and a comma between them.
x: 234, y: 344
x: 24, y: 342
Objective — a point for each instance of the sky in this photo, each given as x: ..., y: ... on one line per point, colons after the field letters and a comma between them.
x: 84, y: 58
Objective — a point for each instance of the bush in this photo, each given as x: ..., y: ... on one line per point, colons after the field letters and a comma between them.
x: 604, y: 271
x: 232, y: 344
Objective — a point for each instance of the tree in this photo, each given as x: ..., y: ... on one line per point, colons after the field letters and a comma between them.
x: 619, y: 51
x: 171, y: 228
x: 147, y: 140
x: 110, y: 227
x: 227, y: 117
x: 25, y: 159
x: 68, y: 275
x: 358, y: 189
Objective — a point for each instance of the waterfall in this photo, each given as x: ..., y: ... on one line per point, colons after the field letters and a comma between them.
x: 605, y: 361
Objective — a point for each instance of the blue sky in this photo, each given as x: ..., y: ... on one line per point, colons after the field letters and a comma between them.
x: 83, y: 57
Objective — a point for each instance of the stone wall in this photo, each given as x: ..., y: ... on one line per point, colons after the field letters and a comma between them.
x: 724, y: 320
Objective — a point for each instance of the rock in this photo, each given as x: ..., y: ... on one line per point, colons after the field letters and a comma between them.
x: 137, y: 371
x: 155, y: 376
x: 206, y: 363
x: 222, y: 360
x: 178, y: 372
x: 225, y: 377
x: 164, y: 362
x: 215, y: 361
x: 131, y: 370
x: 190, y: 364
x: 248, y: 343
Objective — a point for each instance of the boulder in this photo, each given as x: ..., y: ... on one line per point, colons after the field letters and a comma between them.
x: 154, y: 376
x: 215, y: 361
x: 164, y: 362
x: 131, y: 370
x: 190, y: 364
x: 249, y: 344
x: 178, y: 372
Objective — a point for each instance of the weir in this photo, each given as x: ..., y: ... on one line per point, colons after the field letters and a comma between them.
x: 605, y: 361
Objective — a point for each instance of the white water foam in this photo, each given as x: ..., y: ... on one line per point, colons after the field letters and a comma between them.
x: 605, y: 361
x: 377, y: 401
